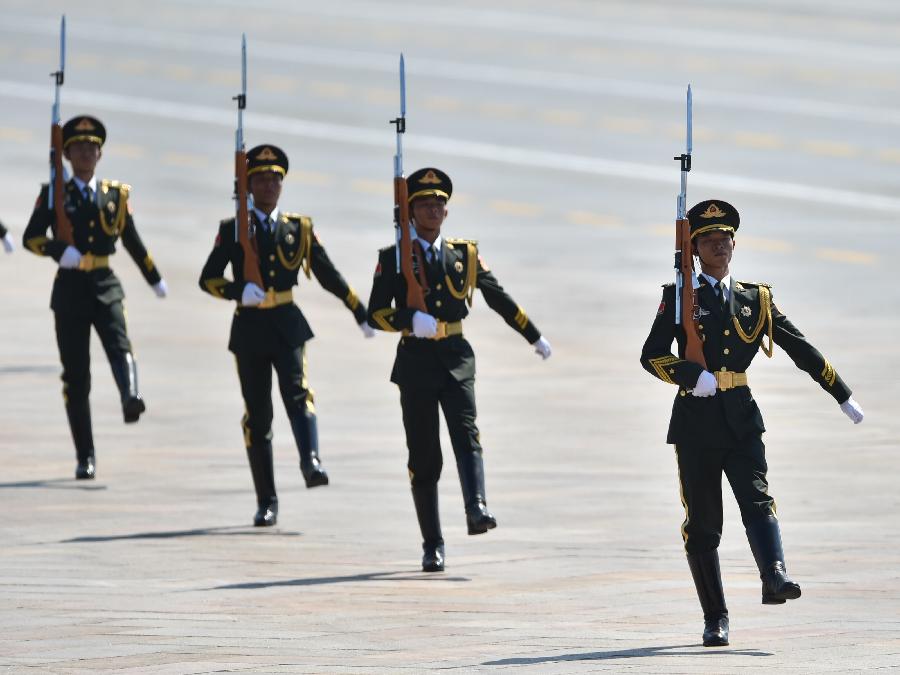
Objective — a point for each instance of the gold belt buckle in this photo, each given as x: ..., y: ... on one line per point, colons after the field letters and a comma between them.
x: 441, y: 331
x: 269, y: 301
x: 86, y: 264
x: 725, y: 379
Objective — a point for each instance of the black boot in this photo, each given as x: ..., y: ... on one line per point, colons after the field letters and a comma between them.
x: 470, y: 466
x: 124, y: 371
x: 425, y: 497
x: 263, y: 472
x: 764, y: 536
x: 708, y: 581
x: 79, y: 415
x: 307, y: 437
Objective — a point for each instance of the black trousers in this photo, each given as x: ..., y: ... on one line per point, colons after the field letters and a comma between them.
x: 255, y: 373
x: 700, y: 475
x: 73, y: 337
x: 419, y: 404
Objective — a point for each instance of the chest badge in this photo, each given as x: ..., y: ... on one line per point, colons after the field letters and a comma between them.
x: 111, y: 207
x: 458, y: 266
x: 746, y: 311
x: 289, y: 239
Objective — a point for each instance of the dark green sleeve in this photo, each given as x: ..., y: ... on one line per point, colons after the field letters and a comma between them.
x: 386, y: 311
x: 806, y: 357
x: 657, y: 357
x: 35, y: 236
x: 212, y: 279
x: 131, y: 240
x: 501, y: 302
x: 333, y: 282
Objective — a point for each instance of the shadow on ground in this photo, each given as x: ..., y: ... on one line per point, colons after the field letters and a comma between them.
x: 231, y: 531
x: 639, y: 653
x: 318, y: 581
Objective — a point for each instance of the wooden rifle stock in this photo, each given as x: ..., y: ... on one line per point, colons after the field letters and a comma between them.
x: 693, y: 350
x: 415, y: 297
x: 251, y: 256
x: 63, y: 224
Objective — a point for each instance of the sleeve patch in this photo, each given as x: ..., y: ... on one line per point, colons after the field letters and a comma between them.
x: 378, y: 270
x: 662, y: 308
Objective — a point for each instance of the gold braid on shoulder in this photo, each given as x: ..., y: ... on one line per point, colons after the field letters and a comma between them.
x: 304, y: 250
x: 468, y: 290
x: 765, y: 316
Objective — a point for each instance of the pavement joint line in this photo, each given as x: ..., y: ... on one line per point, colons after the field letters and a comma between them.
x: 474, y: 150
x: 383, y: 62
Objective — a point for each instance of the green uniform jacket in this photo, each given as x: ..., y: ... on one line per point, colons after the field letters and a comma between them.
x: 461, y: 273
x: 293, y: 247
x: 96, y: 225
x: 730, y: 341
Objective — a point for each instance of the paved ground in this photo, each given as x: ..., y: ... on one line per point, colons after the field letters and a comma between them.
x: 558, y: 125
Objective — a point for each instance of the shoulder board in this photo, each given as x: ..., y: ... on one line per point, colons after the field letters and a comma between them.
x: 668, y: 285
x: 754, y: 284
x: 298, y: 217
x: 461, y: 242
x: 227, y: 221
x: 386, y: 249
x: 125, y: 188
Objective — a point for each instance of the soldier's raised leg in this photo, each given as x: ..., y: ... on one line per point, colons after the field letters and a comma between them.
x: 421, y: 422
x: 458, y: 403
x: 73, y: 334
x: 255, y: 373
x: 111, y: 327
x: 301, y: 411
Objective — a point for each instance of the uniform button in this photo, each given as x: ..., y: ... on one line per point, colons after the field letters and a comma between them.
x: 727, y: 332
x: 271, y: 256
x: 683, y: 392
x: 725, y: 351
x: 272, y: 288
x: 723, y: 369
x: 91, y: 224
x: 437, y: 304
x: 271, y: 273
x: 91, y: 238
x: 438, y: 287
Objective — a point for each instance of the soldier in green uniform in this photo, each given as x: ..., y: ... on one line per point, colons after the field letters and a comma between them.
x: 716, y: 425
x: 268, y: 329
x: 86, y: 292
x: 435, y: 365
x: 8, y: 245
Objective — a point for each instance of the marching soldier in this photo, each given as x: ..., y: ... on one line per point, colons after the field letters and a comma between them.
x: 716, y: 425
x: 435, y: 365
x: 86, y: 292
x: 8, y: 245
x: 268, y: 329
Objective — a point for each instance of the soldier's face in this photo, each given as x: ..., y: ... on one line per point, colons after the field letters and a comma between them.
x: 715, y: 248
x: 429, y: 213
x: 83, y: 156
x: 266, y: 189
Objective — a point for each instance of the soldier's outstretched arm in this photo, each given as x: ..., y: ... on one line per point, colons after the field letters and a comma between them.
x: 386, y: 288
x: 502, y: 303
x: 806, y: 357
x: 35, y: 236
x: 212, y: 279
x: 657, y: 357
x: 6, y: 239
x: 131, y: 240
x: 333, y: 281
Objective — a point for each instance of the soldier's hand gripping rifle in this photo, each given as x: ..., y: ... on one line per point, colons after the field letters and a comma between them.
x: 242, y: 200
x: 415, y: 297
x: 56, y: 195
x: 686, y: 307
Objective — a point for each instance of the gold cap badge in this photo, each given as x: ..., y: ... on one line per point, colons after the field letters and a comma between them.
x: 85, y: 125
x: 713, y: 211
x: 266, y: 154
x: 430, y: 178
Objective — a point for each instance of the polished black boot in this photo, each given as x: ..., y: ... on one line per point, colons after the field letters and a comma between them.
x: 124, y: 371
x: 307, y: 438
x: 470, y: 466
x: 425, y: 497
x: 764, y: 536
x: 263, y: 471
x: 708, y: 581
x: 79, y: 416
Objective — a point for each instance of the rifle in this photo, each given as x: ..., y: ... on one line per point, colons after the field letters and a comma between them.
x: 242, y: 200
x: 56, y: 196
x: 686, y: 284
x: 415, y: 297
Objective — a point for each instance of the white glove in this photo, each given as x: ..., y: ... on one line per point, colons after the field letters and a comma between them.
x: 161, y: 288
x: 706, y: 385
x: 852, y: 410
x: 252, y: 295
x: 70, y: 258
x: 424, y: 325
x: 8, y: 244
x: 367, y: 330
x: 542, y: 347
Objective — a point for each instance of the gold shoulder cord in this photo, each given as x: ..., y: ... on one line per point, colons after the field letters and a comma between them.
x: 467, y: 292
x: 304, y: 250
x: 765, y: 316
x: 121, y: 209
